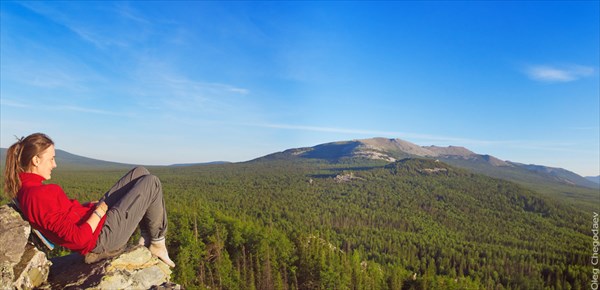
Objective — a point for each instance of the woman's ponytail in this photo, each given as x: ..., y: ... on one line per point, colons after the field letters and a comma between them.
x: 12, y: 183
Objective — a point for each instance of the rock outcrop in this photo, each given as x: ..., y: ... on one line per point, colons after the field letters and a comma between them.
x: 23, y: 266
x: 136, y: 268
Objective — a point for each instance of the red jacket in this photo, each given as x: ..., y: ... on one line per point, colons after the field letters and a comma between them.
x: 60, y: 219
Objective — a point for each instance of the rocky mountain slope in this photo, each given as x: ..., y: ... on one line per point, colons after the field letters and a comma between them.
x: 390, y: 150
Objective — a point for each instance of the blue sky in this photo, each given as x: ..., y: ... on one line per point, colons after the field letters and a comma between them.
x: 180, y: 82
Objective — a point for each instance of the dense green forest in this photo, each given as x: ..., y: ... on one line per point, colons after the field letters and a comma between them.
x: 412, y: 224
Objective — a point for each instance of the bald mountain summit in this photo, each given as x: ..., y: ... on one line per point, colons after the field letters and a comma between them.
x: 388, y: 150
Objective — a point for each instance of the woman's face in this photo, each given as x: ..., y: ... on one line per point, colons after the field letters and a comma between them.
x: 43, y: 163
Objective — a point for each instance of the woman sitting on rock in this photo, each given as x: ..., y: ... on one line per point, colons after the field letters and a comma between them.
x: 97, y: 230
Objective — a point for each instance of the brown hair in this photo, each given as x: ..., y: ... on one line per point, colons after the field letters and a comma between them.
x: 18, y: 159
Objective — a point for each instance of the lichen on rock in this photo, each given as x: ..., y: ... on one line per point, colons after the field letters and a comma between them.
x: 135, y: 268
x: 22, y: 266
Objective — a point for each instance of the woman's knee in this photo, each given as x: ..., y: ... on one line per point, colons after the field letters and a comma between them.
x: 151, y: 180
x: 140, y: 171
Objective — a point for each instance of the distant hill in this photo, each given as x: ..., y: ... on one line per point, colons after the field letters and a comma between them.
x: 390, y: 150
x: 66, y: 159
x: 594, y: 179
x: 199, y: 164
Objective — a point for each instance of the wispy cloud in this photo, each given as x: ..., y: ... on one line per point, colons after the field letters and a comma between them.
x: 553, y: 74
x: 586, y: 128
x: 72, y: 108
x: 376, y: 133
x: 427, y: 139
x: 51, y: 79
x: 175, y: 91
x: 88, y: 30
x: 11, y: 103
x: 88, y: 110
x: 324, y: 129
x: 126, y: 11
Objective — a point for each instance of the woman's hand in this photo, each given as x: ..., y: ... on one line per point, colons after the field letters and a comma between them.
x: 102, y: 206
x: 99, y: 212
x: 93, y: 202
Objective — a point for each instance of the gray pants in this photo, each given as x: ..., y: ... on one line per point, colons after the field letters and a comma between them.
x: 136, y: 199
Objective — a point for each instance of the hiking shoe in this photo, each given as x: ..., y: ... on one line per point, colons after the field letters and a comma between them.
x: 91, y: 258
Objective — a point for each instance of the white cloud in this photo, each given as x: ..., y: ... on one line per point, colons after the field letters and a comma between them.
x: 11, y: 103
x: 551, y: 74
x: 128, y: 12
x: 89, y: 29
x: 325, y: 129
x: 412, y: 137
x: 4, y: 102
x: 87, y: 110
x: 426, y: 139
x: 170, y: 89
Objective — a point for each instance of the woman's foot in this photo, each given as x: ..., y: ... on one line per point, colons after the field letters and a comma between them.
x: 159, y: 249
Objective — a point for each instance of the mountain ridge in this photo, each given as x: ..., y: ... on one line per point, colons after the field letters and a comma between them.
x: 390, y: 150
x: 70, y: 159
x: 594, y: 179
x: 73, y: 160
